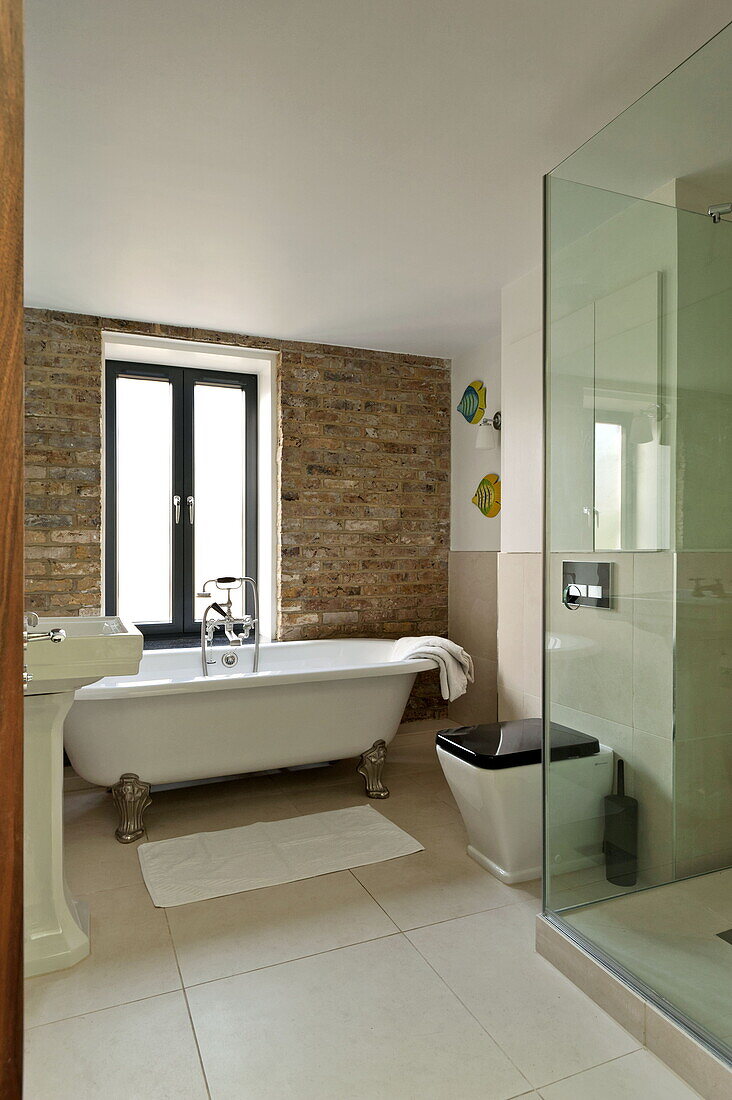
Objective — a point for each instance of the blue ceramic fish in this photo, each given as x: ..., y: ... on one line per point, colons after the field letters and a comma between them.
x: 472, y: 403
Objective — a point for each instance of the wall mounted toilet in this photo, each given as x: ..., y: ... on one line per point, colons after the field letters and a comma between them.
x: 494, y: 773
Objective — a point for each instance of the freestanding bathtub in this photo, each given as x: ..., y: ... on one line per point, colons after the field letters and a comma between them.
x: 309, y: 702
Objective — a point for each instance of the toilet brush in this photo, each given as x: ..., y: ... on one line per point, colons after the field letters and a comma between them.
x: 620, y: 844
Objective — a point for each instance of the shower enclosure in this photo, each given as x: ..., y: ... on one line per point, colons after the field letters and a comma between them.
x: 638, y: 562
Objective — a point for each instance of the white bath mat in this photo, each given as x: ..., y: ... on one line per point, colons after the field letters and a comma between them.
x: 210, y: 865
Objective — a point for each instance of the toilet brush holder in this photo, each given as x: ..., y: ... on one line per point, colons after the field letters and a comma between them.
x: 620, y: 844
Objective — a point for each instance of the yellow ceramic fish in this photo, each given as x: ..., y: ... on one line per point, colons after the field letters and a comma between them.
x: 488, y: 495
x: 472, y: 403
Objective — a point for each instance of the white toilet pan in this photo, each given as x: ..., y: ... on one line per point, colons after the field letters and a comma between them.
x: 500, y: 797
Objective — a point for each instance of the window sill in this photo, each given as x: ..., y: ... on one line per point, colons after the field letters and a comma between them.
x: 184, y: 641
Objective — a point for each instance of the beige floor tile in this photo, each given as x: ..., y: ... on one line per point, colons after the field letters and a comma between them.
x: 429, y: 725
x: 416, y: 800
x: 214, y: 806
x: 419, y: 805
x: 298, y: 780
x: 548, y: 1027
x: 637, y: 1076
x: 131, y: 957
x: 93, y: 858
x: 93, y: 809
x: 367, y: 1021
x: 416, y: 750
x: 146, y: 1049
x: 317, y: 799
x: 230, y: 935
x: 438, y: 884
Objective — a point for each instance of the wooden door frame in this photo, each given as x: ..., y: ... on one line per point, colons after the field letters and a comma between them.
x: 11, y: 548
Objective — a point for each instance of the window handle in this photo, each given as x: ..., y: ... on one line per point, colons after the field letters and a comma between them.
x: 191, y: 509
x: 176, y: 505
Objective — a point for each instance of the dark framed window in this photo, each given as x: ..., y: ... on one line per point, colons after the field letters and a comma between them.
x: 181, y: 491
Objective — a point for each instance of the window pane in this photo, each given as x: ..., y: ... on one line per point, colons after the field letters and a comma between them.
x: 219, y: 476
x: 144, y: 496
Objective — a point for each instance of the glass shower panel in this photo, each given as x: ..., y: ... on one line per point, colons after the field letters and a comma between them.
x: 639, y: 460
x: 611, y: 298
x: 703, y: 746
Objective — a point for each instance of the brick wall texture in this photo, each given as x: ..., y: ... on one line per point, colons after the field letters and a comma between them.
x: 364, y: 454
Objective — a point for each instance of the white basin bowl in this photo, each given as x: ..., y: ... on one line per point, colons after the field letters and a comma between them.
x: 93, y: 648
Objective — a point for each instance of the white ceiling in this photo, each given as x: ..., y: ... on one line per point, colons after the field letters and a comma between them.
x: 366, y: 172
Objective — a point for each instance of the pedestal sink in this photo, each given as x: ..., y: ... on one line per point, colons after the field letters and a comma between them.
x: 63, y: 654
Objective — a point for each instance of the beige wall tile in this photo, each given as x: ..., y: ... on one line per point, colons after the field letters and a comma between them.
x: 480, y: 702
x: 649, y: 778
x: 533, y: 623
x: 653, y: 643
x: 473, y: 594
x: 594, y: 673
x: 511, y: 602
x: 703, y: 791
x: 510, y: 704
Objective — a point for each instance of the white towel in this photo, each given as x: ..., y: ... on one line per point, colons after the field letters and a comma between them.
x: 455, y: 665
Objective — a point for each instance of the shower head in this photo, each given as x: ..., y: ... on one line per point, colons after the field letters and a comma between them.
x: 716, y: 212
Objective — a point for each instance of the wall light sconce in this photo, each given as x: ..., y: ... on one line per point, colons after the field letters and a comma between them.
x: 641, y: 426
x: 486, y: 437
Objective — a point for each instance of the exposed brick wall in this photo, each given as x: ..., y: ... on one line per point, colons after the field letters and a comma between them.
x: 365, y: 498
x: 63, y: 467
x: 364, y: 482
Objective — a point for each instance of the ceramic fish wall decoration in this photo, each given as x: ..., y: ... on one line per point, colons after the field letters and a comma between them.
x: 488, y: 495
x: 472, y: 403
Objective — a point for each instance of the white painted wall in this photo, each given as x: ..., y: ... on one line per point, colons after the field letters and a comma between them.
x: 522, y: 397
x: 470, y: 529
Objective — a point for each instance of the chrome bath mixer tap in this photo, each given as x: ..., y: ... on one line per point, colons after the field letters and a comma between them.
x: 227, y: 620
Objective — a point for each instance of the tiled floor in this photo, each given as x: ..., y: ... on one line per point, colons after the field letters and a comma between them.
x: 415, y: 978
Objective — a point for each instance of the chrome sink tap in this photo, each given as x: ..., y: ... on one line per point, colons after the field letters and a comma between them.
x: 227, y: 620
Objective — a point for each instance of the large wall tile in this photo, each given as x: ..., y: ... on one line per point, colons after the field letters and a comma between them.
x: 653, y: 642
x: 593, y: 672
x: 473, y: 595
x: 649, y: 778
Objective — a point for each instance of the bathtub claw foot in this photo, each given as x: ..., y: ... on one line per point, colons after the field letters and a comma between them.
x: 371, y: 767
x: 131, y: 797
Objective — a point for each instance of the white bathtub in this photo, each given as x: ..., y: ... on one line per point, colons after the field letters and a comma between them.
x: 310, y: 702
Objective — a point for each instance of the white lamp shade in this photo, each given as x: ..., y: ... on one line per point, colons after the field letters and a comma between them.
x: 486, y: 437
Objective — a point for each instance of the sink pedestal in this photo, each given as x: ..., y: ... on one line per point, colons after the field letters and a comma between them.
x: 56, y: 934
x: 55, y: 931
